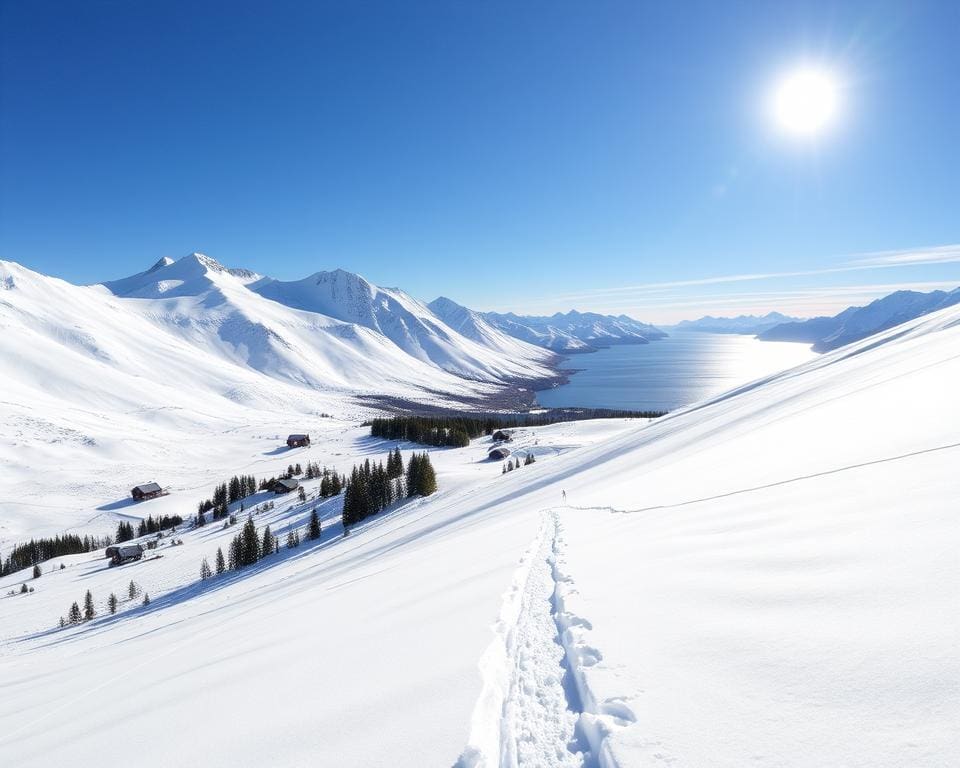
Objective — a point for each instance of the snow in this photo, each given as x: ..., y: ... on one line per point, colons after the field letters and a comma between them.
x: 768, y: 577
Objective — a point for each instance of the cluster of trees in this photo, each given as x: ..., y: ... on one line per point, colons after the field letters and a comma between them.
x: 37, y: 550
x: 161, y: 523
x: 510, y: 465
x: 450, y: 431
x: 250, y: 546
x: 373, y: 487
x: 76, y: 616
x: 457, y: 431
x: 236, y: 488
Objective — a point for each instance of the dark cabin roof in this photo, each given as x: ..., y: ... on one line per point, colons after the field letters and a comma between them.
x: 290, y: 483
x: 148, y: 488
x: 498, y: 453
x: 298, y: 437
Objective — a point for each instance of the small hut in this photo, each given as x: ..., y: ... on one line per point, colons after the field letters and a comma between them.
x: 298, y: 441
x: 146, y: 491
x: 498, y: 454
x: 123, y: 553
x: 286, y: 485
x: 501, y: 436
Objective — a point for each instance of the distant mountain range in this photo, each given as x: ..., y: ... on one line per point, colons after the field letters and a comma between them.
x: 562, y: 333
x: 745, y: 324
x: 855, y: 323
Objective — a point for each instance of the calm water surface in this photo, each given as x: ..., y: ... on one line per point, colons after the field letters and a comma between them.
x: 672, y: 372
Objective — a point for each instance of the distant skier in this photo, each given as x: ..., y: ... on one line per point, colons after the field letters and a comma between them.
x: 564, y: 496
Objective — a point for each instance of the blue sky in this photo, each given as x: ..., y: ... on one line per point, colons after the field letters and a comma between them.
x: 530, y: 156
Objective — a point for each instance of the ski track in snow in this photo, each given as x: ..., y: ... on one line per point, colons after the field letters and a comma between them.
x: 535, y: 709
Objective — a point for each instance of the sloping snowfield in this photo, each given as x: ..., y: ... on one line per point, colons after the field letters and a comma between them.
x: 768, y: 578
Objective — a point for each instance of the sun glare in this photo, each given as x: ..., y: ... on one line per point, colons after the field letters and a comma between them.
x: 805, y: 102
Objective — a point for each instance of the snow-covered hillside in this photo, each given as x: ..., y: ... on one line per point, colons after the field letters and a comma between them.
x: 769, y: 578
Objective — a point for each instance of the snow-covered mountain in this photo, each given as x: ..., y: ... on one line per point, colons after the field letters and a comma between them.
x: 140, y: 372
x: 768, y: 577
x: 855, y: 323
x: 562, y: 333
x: 741, y: 324
x: 410, y: 325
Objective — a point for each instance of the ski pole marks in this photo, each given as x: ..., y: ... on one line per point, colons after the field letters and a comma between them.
x: 535, y: 709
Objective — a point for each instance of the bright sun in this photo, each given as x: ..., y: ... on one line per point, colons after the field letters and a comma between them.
x: 805, y: 102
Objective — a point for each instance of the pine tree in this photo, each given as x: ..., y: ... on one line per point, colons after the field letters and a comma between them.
x: 201, y: 520
x: 37, y: 573
x: 112, y: 603
x: 221, y: 566
x: 427, y: 482
x: 290, y: 540
x: 313, y: 531
x: 88, y: 610
x: 132, y: 590
x: 146, y: 599
x: 251, y: 543
x: 301, y: 493
x: 205, y: 572
x: 266, y: 547
x: 74, y: 616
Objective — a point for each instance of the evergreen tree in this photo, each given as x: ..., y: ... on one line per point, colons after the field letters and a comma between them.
x: 250, y: 543
x: 201, y: 520
x: 146, y: 599
x: 266, y: 547
x: 205, y: 572
x: 124, y: 532
x: 112, y: 603
x: 427, y: 481
x: 37, y: 573
x: 221, y: 566
x: 301, y: 493
x: 74, y: 616
x: 291, y: 543
x: 297, y: 470
x: 132, y: 590
x: 88, y: 610
x: 313, y: 530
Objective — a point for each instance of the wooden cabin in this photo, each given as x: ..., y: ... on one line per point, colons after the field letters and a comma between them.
x: 298, y: 441
x: 501, y: 436
x: 123, y: 553
x: 498, y: 454
x: 146, y: 491
x: 286, y: 485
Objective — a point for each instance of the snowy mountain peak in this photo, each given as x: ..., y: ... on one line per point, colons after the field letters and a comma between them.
x: 164, y: 262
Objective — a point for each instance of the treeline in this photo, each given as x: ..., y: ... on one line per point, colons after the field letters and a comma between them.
x: 125, y: 530
x: 373, y: 487
x: 37, y: 550
x: 457, y: 431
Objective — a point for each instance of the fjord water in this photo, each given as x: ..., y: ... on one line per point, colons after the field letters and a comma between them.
x: 671, y: 372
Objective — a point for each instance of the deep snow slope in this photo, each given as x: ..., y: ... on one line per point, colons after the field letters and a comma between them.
x: 769, y: 577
